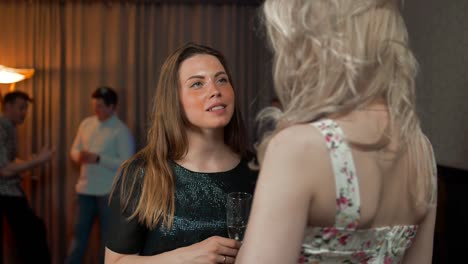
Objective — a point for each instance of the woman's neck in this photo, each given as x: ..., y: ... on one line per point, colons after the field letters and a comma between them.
x: 379, y: 104
x: 207, y: 152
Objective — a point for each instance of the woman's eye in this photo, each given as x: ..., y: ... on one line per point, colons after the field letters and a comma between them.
x: 196, y: 85
x: 223, y: 80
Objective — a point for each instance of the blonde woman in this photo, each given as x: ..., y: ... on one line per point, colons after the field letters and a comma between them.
x: 347, y: 176
x: 168, y: 205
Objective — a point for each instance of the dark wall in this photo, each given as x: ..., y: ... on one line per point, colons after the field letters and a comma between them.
x: 439, y: 37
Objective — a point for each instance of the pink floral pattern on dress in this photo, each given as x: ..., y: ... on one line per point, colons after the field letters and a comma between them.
x: 347, y: 195
x: 343, y: 243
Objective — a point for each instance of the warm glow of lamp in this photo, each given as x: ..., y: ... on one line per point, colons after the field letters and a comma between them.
x: 11, y: 75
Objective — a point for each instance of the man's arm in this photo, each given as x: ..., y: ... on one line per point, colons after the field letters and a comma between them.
x: 125, y: 149
x: 77, y: 145
x: 19, y: 166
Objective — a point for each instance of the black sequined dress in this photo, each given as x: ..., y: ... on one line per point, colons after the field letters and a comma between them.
x: 200, y: 212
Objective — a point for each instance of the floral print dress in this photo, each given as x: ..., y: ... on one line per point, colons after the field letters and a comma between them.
x: 343, y: 243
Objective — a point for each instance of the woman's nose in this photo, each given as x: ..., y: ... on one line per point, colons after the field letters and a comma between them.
x: 214, y: 90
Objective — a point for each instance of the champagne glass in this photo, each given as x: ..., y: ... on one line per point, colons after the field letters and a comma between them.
x: 237, y: 214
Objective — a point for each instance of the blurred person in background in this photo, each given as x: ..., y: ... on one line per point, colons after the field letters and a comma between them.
x: 28, y: 230
x: 102, y: 144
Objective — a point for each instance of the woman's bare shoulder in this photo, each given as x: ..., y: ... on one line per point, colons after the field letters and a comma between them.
x: 300, y: 148
x: 300, y: 139
x: 297, y: 159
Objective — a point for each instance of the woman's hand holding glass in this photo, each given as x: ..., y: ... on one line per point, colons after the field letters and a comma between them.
x: 212, y: 250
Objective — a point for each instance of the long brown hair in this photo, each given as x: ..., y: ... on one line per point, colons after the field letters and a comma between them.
x: 166, y: 142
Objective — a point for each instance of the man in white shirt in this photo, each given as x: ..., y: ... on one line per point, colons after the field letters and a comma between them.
x: 102, y: 143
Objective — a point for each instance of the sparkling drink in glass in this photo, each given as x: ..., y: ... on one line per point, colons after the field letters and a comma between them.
x: 237, y: 214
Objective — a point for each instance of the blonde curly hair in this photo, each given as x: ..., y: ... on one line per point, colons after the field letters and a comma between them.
x: 336, y: 56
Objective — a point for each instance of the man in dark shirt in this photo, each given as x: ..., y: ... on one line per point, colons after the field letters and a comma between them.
x: 27, y: 228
